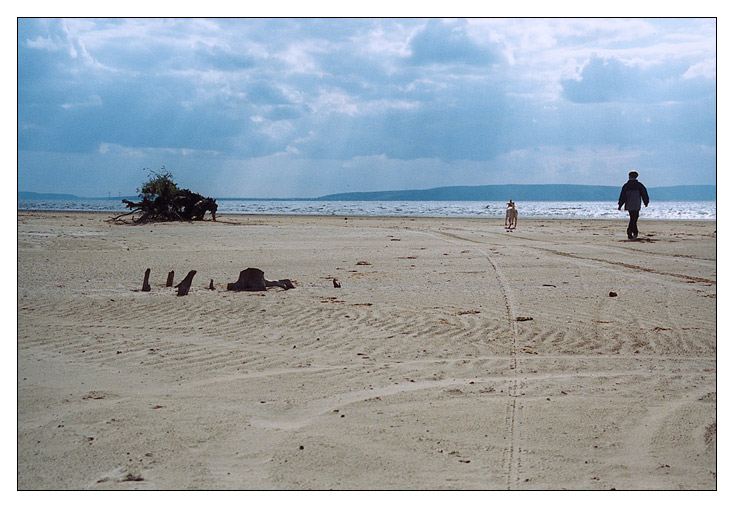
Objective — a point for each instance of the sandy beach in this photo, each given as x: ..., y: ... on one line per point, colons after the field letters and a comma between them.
x: 455, y: 355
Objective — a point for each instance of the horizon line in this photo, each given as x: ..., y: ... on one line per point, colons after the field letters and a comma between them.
x: 124, y: 196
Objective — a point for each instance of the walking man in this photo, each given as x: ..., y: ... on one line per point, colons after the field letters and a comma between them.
x: 632, y: 195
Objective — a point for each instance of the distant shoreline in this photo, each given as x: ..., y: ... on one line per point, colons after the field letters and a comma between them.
x: 551, y: 192
x: 265, y: 216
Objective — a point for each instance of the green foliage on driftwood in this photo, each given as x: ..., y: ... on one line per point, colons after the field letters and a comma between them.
x: 162, y: 201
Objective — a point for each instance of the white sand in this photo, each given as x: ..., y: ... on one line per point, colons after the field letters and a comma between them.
x: 416, y: 374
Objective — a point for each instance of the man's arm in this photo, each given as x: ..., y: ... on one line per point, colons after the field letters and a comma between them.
x: 645, y: 197
x: 622, y: 197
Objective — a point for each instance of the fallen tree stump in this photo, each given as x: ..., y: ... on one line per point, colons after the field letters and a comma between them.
x: 146, y: 286
x: 253, y: 279
x: 162, y: 200
x: 283, y: 283
x: 185, y: 285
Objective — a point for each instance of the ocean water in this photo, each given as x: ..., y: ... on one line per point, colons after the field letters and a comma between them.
x: 667, y: 210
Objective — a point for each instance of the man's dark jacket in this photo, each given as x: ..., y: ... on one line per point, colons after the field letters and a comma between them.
x: 633, y: 192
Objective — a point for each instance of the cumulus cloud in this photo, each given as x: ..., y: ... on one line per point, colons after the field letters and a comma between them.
x: 603, y: 80
x: 705, y: 69
x: 612, y: 80
x: 447, y: 43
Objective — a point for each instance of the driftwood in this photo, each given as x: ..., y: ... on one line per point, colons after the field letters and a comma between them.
x: 337, y: 284
x: 184, y: 205
x: 146, y: 286
x: 185, y: 285
x: 283, y: 283
x: 253, y: 279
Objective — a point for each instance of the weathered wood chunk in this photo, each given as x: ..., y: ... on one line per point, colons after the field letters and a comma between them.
x: 283, y: 283
x: 146, y: 286
x: 185, y: 285
x: 253, y: 279
x: 169, y: 281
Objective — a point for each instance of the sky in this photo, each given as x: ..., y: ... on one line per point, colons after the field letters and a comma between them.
x: 279, y: 108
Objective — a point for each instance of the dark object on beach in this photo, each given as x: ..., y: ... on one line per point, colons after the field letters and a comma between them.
x: 337, y: 284
x: 612, y: 293
x: 185, y: 285
x: 169, y: 280
x: 130, y: 477
x: 211, y: 284
x: 253, y: 279
x: 523, y: 318
x: 186, y: 206
x: 146, y: 286
x: 162, y: 201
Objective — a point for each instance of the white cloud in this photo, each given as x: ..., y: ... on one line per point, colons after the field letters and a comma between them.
x: 335, y: 101
x: 301, y: 57
x: 45, y: 43
x: 92, y: 101
x: 705, y: 69
x: 386, y: 42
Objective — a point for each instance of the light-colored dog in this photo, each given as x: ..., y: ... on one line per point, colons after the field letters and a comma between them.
x: 511, y: 216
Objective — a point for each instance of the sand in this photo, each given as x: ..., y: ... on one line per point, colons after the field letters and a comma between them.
x: 455, y: 355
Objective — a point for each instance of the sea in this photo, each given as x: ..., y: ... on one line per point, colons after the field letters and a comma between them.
x: 663, y: 210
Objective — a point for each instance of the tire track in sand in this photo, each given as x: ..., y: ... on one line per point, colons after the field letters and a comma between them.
x: 512, y: 455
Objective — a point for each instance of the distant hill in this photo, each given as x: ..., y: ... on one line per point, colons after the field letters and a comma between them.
x: 37, y: 195
x: 51, y: 195
x: 550, y: 192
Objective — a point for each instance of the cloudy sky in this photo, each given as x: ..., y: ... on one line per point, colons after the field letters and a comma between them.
x: 306, y: 107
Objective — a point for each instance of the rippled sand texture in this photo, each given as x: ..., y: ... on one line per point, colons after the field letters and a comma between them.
x: 422, y: 371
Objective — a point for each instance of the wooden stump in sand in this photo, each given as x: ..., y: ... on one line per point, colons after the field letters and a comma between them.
x: 253, y: 279
x: 169, y: 280
x: 185, y: 285
x: 146, y: 286
x: 283, y: 283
